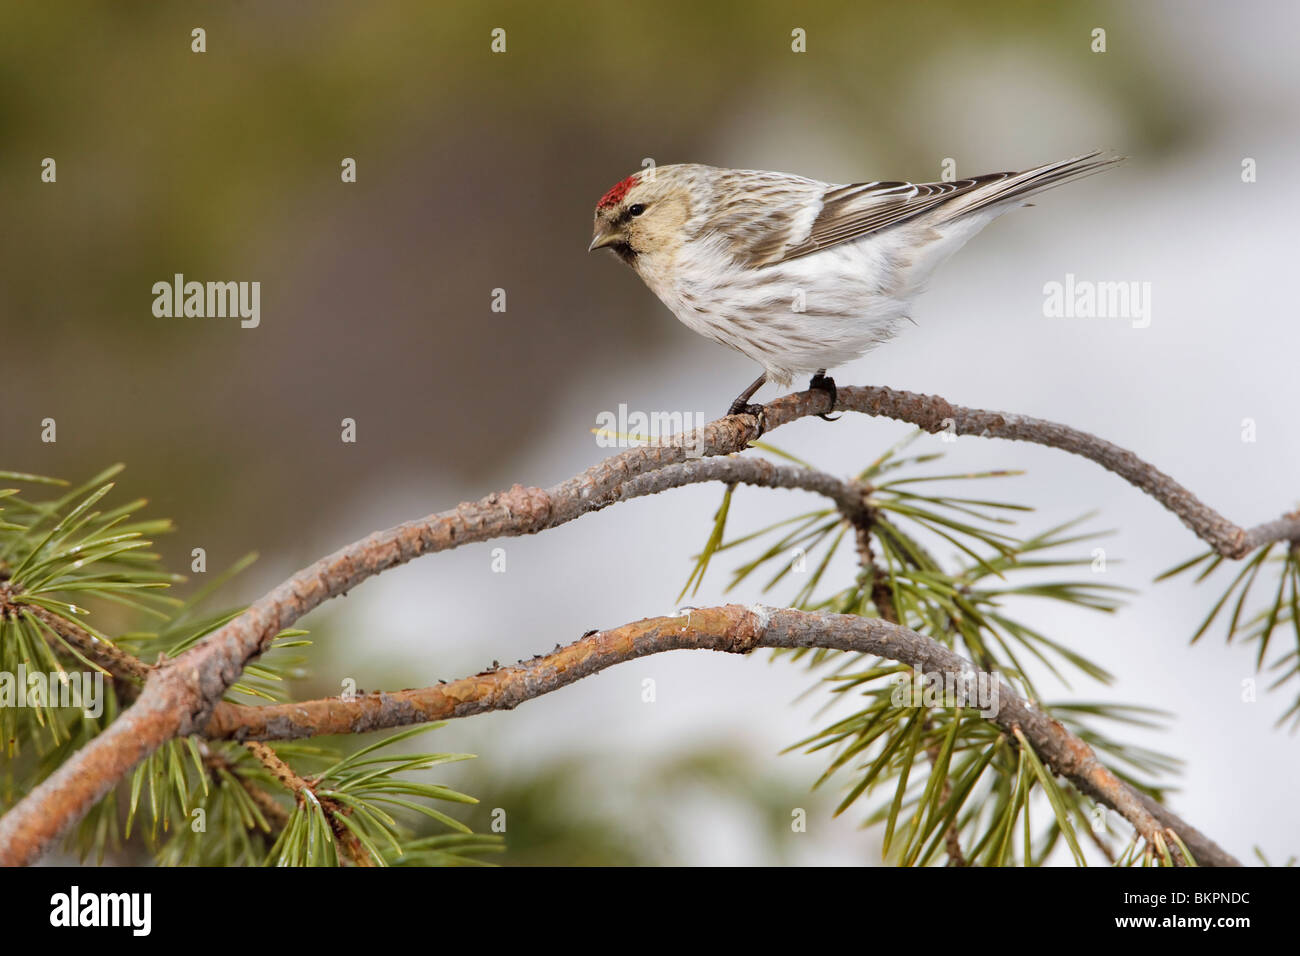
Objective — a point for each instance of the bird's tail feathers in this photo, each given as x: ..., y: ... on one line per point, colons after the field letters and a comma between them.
x: 1019, y: 186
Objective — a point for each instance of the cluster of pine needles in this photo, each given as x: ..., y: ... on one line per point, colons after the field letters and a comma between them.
x: 70, y: 565
x: 948, y: 785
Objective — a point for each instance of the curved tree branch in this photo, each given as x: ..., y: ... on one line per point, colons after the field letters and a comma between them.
x: 178, y: 697
x: 847, y: 495
x: 732, y: 629
x: 936, y: 414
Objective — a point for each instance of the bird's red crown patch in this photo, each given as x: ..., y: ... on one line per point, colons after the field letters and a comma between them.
x: 616, y: 193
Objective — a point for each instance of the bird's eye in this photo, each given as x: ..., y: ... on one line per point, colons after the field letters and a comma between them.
x: 636, y: 209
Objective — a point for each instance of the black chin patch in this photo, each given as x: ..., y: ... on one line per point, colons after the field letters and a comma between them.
x: 624, y: 251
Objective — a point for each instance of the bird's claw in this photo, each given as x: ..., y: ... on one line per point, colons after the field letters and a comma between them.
x: 746, y: 408
x: 822, y: 382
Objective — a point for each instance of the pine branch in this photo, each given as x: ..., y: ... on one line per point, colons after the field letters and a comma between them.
x: 732, y: 629
x: 275, y: 814
x: 935, y: 414
x: 848, y: 496
x: 126, y: 668
x: 179, y: 697
x: 302, y: 790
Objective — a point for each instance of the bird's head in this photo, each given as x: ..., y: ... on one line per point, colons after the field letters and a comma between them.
x: 643, y: 215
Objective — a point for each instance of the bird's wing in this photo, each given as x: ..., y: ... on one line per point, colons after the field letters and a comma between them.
x: 853, y: 211
x: 758, y: 214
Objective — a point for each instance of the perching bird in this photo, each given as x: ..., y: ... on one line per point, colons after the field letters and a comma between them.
x: 800, y: 275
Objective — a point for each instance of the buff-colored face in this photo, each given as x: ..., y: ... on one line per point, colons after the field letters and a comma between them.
x: 641, y: 216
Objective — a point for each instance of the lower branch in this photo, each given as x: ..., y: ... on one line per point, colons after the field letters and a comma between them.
x: 733, y: 629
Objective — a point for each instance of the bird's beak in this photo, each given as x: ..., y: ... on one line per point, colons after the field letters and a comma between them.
x: 604, y: 236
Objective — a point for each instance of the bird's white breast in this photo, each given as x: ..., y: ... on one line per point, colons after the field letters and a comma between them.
x: 817, y: 311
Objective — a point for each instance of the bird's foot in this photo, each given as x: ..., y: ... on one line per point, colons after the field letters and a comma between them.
x: 741, y: 407
x: 822, y: 382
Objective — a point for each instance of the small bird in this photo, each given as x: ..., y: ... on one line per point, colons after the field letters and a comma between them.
x: 799, y: 275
